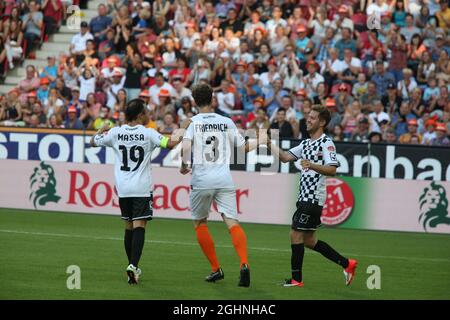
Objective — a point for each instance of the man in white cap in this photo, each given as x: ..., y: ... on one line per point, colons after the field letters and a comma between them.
x: 78, y: 43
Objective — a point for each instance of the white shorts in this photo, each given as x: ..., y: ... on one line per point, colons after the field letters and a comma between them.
x: 201, y: 200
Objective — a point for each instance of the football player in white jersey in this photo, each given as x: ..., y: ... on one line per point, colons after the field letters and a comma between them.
x: 212, y: 138
x: 133, y: 145
x: 318, y: 159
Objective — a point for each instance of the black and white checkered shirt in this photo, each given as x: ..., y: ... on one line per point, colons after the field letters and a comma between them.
x: 321, y: 151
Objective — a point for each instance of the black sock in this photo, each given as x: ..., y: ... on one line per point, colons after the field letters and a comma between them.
x: 329, y: 253
x: 298, y: 251
x: 128, y: 241
x: 138, y: 244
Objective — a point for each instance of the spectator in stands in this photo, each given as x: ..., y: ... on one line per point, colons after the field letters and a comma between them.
x: 412, y: 134
x: 69, y: 73
x: 302, y: 42
x: 168, y: 125
x: 40, y: 115
x: 91, y: 57
x: 13, y: 42
x: 391, y: 101
x: 378, y: 116
x: 43, y: 91
x: 336, y: 117
x: 346, y: 42
x: 382, y: 79
x: 105, y: 116
x: 281, y: 124
x: 313, y: 78
x: 180, y: 91
x: 32, y: 23
x: 53, y: 13
x: 400, y: 119
x: 225, y: 98
x: 100, y: 24
x: 343, y: 97
x: 87, y: 82
x: 75, y: 101
x: 360, y: 87
x: 55, y: 122
x: 72, y: 121
x: 286, y: 104
x: 443, y: 15
x: 349, y: 68
x: 375, y: 137
x: 261, y: 121
x: 53, y: 104
x: 407, y: 85
x: 121, y: 101
x: 29, y: 84
x: 181, y: 71
x: 368, y: 98
x: 156, y: 88
x: 107, y: 47
x: 50, y: 71
x: 399, y: 54
x: 441, y: 136
x: 430, y: 132
x: 390, y: 137
x: 185, y: 108
x: 350, y: 119
x: 78, y: 44
x: 63, y: 92
x: 112, y: 86
x: 361, y: 132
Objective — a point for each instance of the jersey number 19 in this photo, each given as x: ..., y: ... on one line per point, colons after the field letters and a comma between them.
x: 132, y: 157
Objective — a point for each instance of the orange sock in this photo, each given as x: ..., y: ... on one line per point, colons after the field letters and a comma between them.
x: 239, y: 242
x: 207, y: 245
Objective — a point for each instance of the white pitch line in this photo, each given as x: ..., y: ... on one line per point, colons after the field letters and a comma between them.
x: 191, y: 244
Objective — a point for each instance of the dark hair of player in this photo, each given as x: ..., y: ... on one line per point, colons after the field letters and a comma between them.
x: 202, y: 94
x: 324, y: 113
x: 134, y: 108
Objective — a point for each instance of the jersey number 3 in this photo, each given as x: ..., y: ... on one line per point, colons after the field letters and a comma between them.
x: 132, y: 156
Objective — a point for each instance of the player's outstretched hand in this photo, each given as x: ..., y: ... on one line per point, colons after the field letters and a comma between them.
x: 184, y: 170
x: 185, y: 124
x: 262, y: 137
x: 104, y: 128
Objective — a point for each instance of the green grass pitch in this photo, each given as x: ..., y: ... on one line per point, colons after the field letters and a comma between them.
x: 36, y: 248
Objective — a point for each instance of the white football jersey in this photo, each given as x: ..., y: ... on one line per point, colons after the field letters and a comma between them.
x: 133, y: 148
x: 214, y: 138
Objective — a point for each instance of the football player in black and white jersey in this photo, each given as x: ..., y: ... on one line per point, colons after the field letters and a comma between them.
x: 318, y: 159
x: 133, y: 145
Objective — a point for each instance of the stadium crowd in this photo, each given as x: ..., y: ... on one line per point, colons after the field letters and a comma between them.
x: 381, y: 67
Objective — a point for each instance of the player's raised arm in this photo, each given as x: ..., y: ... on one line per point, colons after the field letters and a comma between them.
x: 186, y: 150
x: 99, y: 139
x: 178, y: 134
x: 285, y: 156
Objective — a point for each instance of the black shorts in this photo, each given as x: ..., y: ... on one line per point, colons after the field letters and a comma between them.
x: 307, y: 216
x: 136, y: 208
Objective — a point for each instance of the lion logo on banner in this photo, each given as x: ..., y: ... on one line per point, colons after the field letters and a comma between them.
x: 43, y: 185
x: 433, y: 206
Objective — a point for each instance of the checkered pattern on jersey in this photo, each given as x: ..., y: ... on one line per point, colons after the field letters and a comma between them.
x: 309, y: 182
